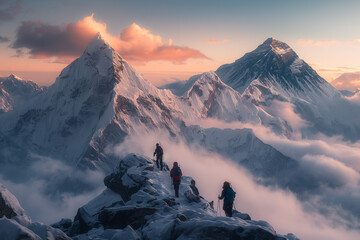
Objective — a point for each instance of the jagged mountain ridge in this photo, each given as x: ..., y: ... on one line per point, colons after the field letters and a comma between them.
x: 274, y: 73
x: 273, y: 77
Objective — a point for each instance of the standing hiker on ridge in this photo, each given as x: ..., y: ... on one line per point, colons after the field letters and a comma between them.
x: 228, y: 195
x: 176, y: 174
x: 159, y: 156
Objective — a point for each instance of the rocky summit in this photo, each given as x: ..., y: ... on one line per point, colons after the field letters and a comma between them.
x: 139, y: 203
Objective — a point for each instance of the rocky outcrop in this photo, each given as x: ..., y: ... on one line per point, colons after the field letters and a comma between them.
x: 15, y: 224
x: 139, y: 203
x: 9, y: 206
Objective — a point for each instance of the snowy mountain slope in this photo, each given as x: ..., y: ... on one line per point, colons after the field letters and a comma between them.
x: 11, y: 154
x: 212, y: 98
x: 244, y: 148
x: 179, y: 88
x: 97, y: 100
x: 15, y: 92
x: 15, y: 224
x: 139, y: 204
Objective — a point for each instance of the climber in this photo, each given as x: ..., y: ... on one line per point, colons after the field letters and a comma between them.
x: 228, y: 195
x: 193, y: 194
x: 159, y: 156
x: 194, y: 189
x: 176, y: 174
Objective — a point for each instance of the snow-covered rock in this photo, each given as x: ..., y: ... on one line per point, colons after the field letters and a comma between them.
x: 145, y: 208
x: 15, y: 92
x: 15, y: 224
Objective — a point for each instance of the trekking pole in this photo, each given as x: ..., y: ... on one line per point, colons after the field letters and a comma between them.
x: 218, y: 208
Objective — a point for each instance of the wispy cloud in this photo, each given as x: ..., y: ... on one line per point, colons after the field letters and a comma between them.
x: 49, y: 190
x: 10, y: 11
x: 216, y: 41
x: 355, y: 40
x: 317, y: 42
x: 135, y: 43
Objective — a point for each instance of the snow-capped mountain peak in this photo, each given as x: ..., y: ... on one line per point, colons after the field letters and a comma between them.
x: 275, y: 64
x: 96, y: 43
x: 281, y: 49
x: 13, y: 77
x: 97, y: 100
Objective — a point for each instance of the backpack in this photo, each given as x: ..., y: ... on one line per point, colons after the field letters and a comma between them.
x: 230, y: 195
x: 176, y: 170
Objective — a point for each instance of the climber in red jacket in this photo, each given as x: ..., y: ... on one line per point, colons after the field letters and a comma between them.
x: 176, y: 174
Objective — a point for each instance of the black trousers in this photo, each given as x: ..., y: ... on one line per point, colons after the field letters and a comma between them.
x: 228, y: 206
x: 176, y: 188
x: 159, y: 159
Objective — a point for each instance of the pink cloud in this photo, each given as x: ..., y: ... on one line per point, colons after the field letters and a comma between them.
x: 216, y: 41
x: 139, y: 44
x: 69, y: 41
x: 212, y: 41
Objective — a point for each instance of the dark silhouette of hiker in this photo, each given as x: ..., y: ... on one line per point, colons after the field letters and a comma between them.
x: 193, y: 195
x: 228, y: 195
x: 176, y: 174
x: 159, y: 156
x: 194, y: 189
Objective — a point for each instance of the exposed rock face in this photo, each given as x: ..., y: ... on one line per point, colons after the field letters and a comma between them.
x: 5, y: 210
x: 139, y: 204
x: 121, y: 217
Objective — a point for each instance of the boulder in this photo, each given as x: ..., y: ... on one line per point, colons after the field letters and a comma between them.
x: 243, y: 216
x: 127, y: 233
x: 120, y: 217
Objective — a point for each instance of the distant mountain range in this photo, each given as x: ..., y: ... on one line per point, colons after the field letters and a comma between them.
x: 99, y: 99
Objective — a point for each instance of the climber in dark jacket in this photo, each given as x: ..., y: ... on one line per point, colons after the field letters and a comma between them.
x: 194, y: 189
x: 176, y: 174
x: 159, y: 156
x: 228, y: 195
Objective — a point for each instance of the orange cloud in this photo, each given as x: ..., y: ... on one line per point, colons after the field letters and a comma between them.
x: 317, y: 42
x: 134, y: 43
x: 216, y: 41
x: 139, y: 44
x: 355, y: 40
x: 212, y: 41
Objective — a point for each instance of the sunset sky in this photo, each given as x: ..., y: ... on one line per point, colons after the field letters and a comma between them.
x: 170, y: 40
